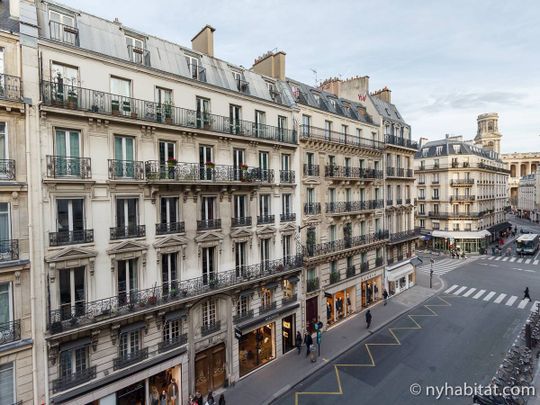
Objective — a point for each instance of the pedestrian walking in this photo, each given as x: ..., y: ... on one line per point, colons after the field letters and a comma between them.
x: 308, y: 341
x: 526, y: 294
x: 222, y: 396
x: 385, y: 296
x: 368, y: 318
x: 298, y: 341
x: 210, y: 399
x: 376, y: 291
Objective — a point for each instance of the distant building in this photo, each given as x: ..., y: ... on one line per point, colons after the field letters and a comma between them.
x: 520, y: 164
x: 527, y: 197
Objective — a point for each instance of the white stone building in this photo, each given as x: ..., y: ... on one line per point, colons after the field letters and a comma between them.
x: 526, y: 205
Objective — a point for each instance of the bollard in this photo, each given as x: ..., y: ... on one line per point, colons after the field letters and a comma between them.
x: 528, y: 334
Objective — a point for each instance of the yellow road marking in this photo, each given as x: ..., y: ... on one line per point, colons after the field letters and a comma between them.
x: 371, y: 363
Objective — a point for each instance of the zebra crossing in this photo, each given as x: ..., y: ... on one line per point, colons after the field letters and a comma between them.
x: 493, y: 297
x: 443, y: 266
x: 514, y: 259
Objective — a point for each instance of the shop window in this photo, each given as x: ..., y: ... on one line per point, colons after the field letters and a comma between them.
x: 257, y: 348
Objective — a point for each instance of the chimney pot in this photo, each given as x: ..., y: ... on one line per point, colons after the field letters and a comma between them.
x: 204, y: 41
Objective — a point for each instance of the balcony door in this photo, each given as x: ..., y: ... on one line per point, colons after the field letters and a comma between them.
x: 5, y: 231
x: 65, y: 82
x: 286, y: 246
x: 240, y: 205
x: 68, y: 153
x: 124, y: 155
x: 239, y: 159
x: 235, y: 117
x: 265, y: 251
x: 167, y: 159
x: 72, y: 292
x: 6, y: 307
x: 126, y: 215
x: 169, y: 274
x: 203, y: 112
x: 208, y: 208
x: 206, y: 162
x: 208, y: 264
x: 240, y: 254
x: 164, y: 103
x: 260, y: 123
x: 70, y: 220
x: 286, y: 204
x: 264, y: 165
x: 121, y: 96
x: 5, y: 169
x: 128, y: 281
x: 169, y: 210
x: 264, y: 205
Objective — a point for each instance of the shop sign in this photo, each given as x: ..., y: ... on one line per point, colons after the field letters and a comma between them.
x: 237, y: 333
x: 369, y: 276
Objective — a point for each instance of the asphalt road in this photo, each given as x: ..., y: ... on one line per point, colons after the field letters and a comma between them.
x: 465, y: 342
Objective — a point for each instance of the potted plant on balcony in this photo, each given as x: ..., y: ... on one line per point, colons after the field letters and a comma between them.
x: 210, y: 165
x: 171, y: 162
x: 167, y: 110
x: 213, y: 283
x: 244, y: 172
x: 72, y: 99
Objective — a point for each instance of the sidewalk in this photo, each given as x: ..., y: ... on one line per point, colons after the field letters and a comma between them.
x: 274, y: 379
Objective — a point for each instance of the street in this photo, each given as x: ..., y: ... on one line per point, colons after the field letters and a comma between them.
x: 459, y: 336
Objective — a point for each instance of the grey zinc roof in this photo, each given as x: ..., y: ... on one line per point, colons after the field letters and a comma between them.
x: 466, y: 148
x: 6, y: 22
x: 387, y: 111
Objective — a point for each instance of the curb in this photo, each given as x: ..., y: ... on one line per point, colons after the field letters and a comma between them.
x: 279, y: 394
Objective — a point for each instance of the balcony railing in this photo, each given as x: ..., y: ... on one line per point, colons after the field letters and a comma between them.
x: 343, y: 244
x: 353, y: 206
x: 7, y: 169
x: 400, y: 141
x: 62, y: 238
x: 175, y: 342
x: 346, y: 172
x: 73, y: 379
x: 126, y: 169
x: 267, y: 308
x: 311, y: 170
x: 289, y: 299
x: 378, y: 261
x: 210, y: 328
x: 351, y: 271
x: 309, y: 132
x: 265, y: 219
x: 399, y: 201
x: 243, y: 316
x: 69, y: 167
x: 312, y: 208
x: 456, y: 214
x: 63, y: 33
x: 10, y: 332
x: 480, y: 165
x: 462, y: 197
x: 399, y: 172
x: 111, y: 307
x: 404, y: 235
x: 364, y: 267
x: 207, y: 224
x: 99, y: 102
x: 167, y: 228
x: 138, y: 55
x: 129, y: 359
x: 335, y: 276
x: 207, y: 173
x: 240, y: 221
x: 286, y: 176
x: 288, y: 217
x: 312, y: 285
x: 9, y: 250
x: 10, y: 87
x: 130, y: 231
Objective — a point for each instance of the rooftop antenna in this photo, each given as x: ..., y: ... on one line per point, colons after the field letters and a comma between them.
x: 315, y: 74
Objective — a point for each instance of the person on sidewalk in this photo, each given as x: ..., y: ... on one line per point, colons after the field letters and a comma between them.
x: 368, y: 318
x: 376, y: 292
x: 526, y: 294
x: 298, y: 341
x: 385, y: 296
x: 308, y: 341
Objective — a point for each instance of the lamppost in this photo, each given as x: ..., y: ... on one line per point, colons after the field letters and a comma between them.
x: 431, y: 273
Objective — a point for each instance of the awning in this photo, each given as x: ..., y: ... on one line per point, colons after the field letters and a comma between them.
x: 461, y: 235
x: 266, y: 317
x: 399, y: 272
x: 416, y: 261
x: 500, y: 227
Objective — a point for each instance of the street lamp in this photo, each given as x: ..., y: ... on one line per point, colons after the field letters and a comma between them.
x: 431, y: 273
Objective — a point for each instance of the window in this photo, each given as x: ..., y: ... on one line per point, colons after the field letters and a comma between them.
x: 282, y: 126
x: 62, y: 27
x: 286, y: 245
x: 332, y: 232
x: 435, y: 194
x: 73, y: 361
x: 127, y: 214
x: 265, y: 251
x: 70, y: 219
x: 264, y: 205
x: 242, y: 305
x: 286, y: 167
x: 456, y: 226
x: 206, y: 162
x: 344, y: 130
x: 331, y: 195
x: 203, y: 112
x: 193, y: 67
x: 130, y: 343
x: 128, y: 280
x: 208, y: 264
x: 6, y: 306
x: 67, y: 146
x: 310, y: 195
x: 5, y: 226
x: 260, y: 123
x: 7, y: 384
x: 168, y: 210
x: 235, y: 116
x: 240, y: 206
x: 422, y: 223
x: 438, y: 151
x: 240, y: 255
x: 64, y: 75
x: 169, y: 273
x: 436, y: 226
x: 209, y: 313
x: 124, y: 155
x: 359, y: 133
x: 421, y: 193
x: 172, y: 330
x: 208, y: 208
x: 266, y: 297
x: 436, y: 208
x: 121, y: 96
x: 264, y: 166
x: 286, y: 203
x: 327, y: 129
x: 306, y: 125
x: 135, y: 48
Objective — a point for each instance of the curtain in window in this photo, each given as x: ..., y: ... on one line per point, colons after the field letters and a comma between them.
x: 5, y: 229
x: 3, y: 141
x: 7, y: 389
x: 5, y: 315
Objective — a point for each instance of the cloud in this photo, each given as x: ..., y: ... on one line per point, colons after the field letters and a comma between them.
x: 468, y: 101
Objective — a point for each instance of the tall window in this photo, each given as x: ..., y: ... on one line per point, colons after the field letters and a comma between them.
x: 64, y: 76
x: 5, y: 222
x: 167, y: 152
x: 207, y: 208
x: 208, y: 264
x: 164, y: 98
x: 282, y: 126
x: 235, y: 116
x: 135, y: 49
x: 128, y: 280
x: 73, y: 361
x: 239, y: 160
x: 242, y: 305
x: 327, y: 129
x: 67, y: 147
x: 6, y: 306
x: 168, y: 208
x: 193, y: 66
x: 240, y: 254
x: 264, y: 205
x: 332, y: 233
x: 70, y: 219
x: 265, y: 250
x: 72, y: 292
x: 264, y: 164
x: 57, y: 23
x: 260, y: 122
x: 124, y: 154
x: 310, y: 195
x: 126, y: 214
x: 285, y: 162
x: 130, y: 343
x: 172, y: 330
x: 7, y: 384
x: 169, y: 273
x: 209, y: 313
x: 206, y: 162
x: 203, y: 112
x: 240, y: 206
x: 286, y: 203
x: 286, y: 245
x: 306, y: 125
x: 121, y: 95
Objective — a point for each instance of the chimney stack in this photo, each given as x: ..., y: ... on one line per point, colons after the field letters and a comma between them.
x: 422, y: 141
x: 271, y: 64
x: 383, y: 94
x: 331, y: 85
x: 204, y: 41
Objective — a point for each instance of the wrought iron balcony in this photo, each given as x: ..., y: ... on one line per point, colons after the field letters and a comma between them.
x: 73, y: 379
x: 400, y: 141
x: 243, y: 316
x: 378, y: 261
x: 210, y: 328
x: 63, y: 33
x: 9, y: 250
x: 311, y: 170
x: 286, y: 176
x: 86, y: 313
x: 288, y: 217
x: 351, y: 271
x: 207, y: 224
x: 399, y: 201
x: 335, y: 276
x: 100, y: 102
x: 265, y: 219
x: 345, y: 172
x: 407, y: 200
x: 62, y: 238
x: 138, y: 55
x: 267, y: 308
x: 126, y: 169
x: 364, y: 267
x: 206, y: 173
x: 10, y: 88
x: 390, y: 260
x: 341, y: 207
x: 404, y: 235
x: 308, y: 132
x: 240, y: 221
x: 10, y: 332
x: 312, y: 208
x: 130, y: 231
x: 129, y: 359
x: 389, y: 202
x: 289, y: 299
x: 443, y: 215
x: 321, y: 249
x: 7, y: 169
x: 400, y: 257
x: 462, y: 197
x: 69, y: 167
x: 167, y: 228
x: 312, y: 285
x: 169, y: 344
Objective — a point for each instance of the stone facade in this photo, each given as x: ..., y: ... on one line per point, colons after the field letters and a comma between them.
x: 527, y: 197
x: 520, y: 164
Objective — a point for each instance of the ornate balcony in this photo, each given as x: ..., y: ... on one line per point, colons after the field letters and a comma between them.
x: 125, y: 232
x: 63, y: 33
x: 462, y: 197
x: 100, y: 102
x: 62, y: 238
x: 210, y: 328
x: 347, y: 207
x: 10, y: 332
x: 288, y: 217
x: 311, y: 170
x: 443, y: 215
x: 364, y: 267
x: 320, y: 134
x: 7, y: 169
x: 265, y: 219
x: 312, y: 208
x: 243, y: 316
x: 351, y: 173
x: 207, y: 224
x: 9, y: 250
x: 69, y: 167
x: 267, y: 308
x: 400, y: 141
x: 312, y: 285
x: 335, y: 277
x: 10, y: 88
x: 378, y: 261
x: 288, y: 300
x: 73, y: 379
x: 286, y: 176
x: 126, y: 170
x: 129, y: 359
x: 351, y: 271
x: 167, y: 345
x: 167, y: 228
x: 241, y: 221
x: 326, y: 248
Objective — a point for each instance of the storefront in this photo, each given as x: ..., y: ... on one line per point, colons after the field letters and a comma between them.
x: 468, y: 242
x: 257, y: 348
x: 371, y: 291
x: 312, y: 312
x: 400, y: 277
x: 210, y: 369
x: 339, y: 305
x: 288, y: 327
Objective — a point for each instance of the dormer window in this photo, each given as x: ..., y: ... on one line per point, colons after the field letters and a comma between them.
x: 424, y: 152
x: 62, y: 28
x: 196, y: 71
x: 333, y: 102
x: 241, y: 84
x: 136, y: 50
x: 438, y: 150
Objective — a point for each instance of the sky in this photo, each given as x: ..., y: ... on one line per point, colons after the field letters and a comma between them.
x: 446, y: 62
